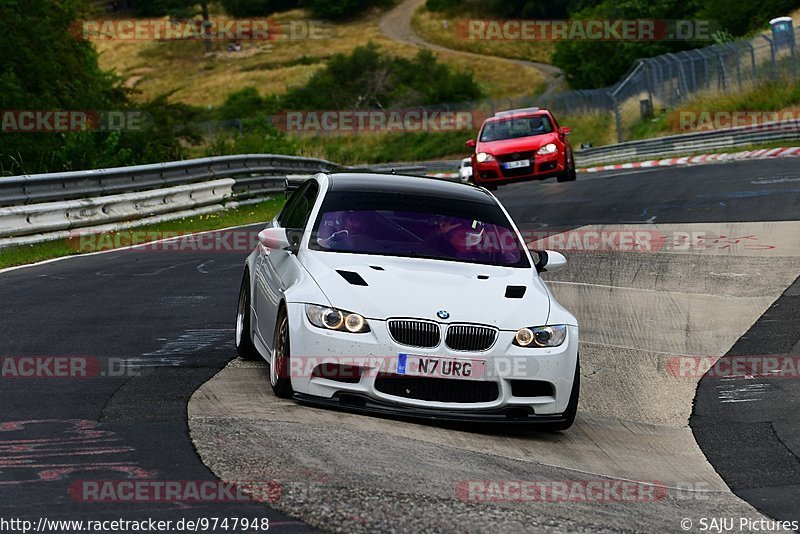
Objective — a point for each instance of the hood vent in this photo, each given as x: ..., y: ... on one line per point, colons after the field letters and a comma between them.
x: 515, y: 292
x: 353, y: 278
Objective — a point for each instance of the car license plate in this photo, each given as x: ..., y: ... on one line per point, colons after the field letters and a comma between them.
x: 456, y: 368
x: 517, y: 164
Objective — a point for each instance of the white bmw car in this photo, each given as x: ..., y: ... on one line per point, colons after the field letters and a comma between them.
x: 408, y: 296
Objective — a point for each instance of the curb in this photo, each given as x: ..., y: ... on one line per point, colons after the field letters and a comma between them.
x: 688, y: 160
x: 703, y: 158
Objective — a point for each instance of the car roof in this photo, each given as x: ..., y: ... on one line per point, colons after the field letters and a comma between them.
x: 405, y: 184
x: 520, y: 114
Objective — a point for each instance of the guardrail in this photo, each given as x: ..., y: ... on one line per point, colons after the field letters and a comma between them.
x: 252, y: 173
x: 44, y: 207
x: 684, y: 144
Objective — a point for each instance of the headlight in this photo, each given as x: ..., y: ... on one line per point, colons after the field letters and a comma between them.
x: 549, y: 148
x: 484, y: 156
x: 541, y: 336
x: 333, y: 319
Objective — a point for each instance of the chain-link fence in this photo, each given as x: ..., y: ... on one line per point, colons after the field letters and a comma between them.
x: 651, y: 84
x: 671, y: 79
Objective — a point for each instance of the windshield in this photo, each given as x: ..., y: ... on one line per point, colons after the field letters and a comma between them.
x: 416, y: 226
x: 516, y: 127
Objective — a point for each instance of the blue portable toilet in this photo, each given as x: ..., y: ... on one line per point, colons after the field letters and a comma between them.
x: 782, y: 32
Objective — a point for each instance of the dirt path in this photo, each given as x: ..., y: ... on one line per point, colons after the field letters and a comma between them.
x: 396, y: 25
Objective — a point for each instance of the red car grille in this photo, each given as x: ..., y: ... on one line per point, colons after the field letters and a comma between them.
x: 516, y: 156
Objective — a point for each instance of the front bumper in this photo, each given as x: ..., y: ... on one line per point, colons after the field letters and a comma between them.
x: 362, y: 404
x: 375, y: 353
x: 544, y: 166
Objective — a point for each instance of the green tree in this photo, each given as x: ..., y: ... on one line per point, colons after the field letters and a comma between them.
x: 592, y: 64
x: 340, y: 9
x: 179, y: 9
x: 741, y: 18
x: 44, y: 67
x: 368, y: 79
x: 256, y: 8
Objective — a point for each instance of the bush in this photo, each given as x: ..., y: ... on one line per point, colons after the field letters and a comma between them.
x: 340, y: 9
x: 248, y: 102
x: 256, y: 8
x: 368, y: 79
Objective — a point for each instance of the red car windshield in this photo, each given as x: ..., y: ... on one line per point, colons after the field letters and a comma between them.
x: 417, y: 227
x: 516, y: 127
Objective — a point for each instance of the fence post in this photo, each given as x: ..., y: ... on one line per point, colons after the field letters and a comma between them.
x: 738, y: 64
x: 772, y: 57
x: 693, y: 70
x: 722, y: 74
x: 796, y: 55
x: 617, y: 116
x: 648, y: 81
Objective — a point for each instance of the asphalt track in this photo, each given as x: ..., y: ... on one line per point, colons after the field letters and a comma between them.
x: 170, y: 315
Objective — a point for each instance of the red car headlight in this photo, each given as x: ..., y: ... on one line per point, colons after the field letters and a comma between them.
x: 549, y: 148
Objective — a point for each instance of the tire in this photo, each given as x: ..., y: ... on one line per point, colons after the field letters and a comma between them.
x: 279, y: 366
x: 569, y: 174
x: 572, y: 406
x: 244, y: 341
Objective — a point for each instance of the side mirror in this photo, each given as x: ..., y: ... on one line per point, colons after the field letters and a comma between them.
x: 471, y: 143
x: 565, y: 130
x: 274, y: 238
x: 549, y: 261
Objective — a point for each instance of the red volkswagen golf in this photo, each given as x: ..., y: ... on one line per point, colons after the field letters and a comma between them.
x: 521, y: 144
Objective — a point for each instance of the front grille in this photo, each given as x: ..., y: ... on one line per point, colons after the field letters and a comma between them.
x: 516, y: 173
x: 522, y: 171
x: 469, y: 337
x: 436, y: 389
x: 502, y: 158
x: 415, y: 333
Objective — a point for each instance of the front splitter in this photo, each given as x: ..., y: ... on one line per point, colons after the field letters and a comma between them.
x: 361, y: 404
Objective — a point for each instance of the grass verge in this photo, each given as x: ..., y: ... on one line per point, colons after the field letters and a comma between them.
x: 771, y: 97
x: 188, y: 75
x: 264, y: 211
x: 445, y: 30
